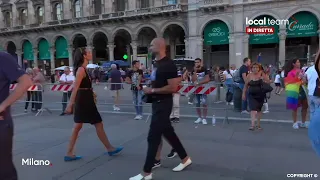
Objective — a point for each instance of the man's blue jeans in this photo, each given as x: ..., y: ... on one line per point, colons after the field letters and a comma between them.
x: 137, y: 101
x: 244, y: 102
x: 314, y: 127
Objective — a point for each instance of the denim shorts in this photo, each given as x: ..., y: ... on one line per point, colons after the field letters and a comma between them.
x: 201, y: 99
x: 314, y: 127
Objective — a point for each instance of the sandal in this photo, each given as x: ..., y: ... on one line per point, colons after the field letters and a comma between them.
x: 251, y: 128
x: 259, y: 128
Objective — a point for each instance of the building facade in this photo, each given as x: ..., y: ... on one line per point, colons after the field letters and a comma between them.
x: 46, y: 32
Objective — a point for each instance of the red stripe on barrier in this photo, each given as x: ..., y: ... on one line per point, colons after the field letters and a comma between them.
x: 198, y: 90
x: 59, y: 88
x: 32, y: 88
x: 210, y: 90
x: 66, y: 88
x: 53, y: 87
x: 188, y: 89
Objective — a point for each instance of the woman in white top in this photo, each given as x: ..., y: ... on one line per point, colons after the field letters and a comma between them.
x: 277, y: 82
x: 228, y: 80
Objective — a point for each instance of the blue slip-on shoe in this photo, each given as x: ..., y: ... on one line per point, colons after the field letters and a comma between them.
x: 70, y: 158
x: 115, y: 152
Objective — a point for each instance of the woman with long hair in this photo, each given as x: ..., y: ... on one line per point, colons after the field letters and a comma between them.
x: 296, y: 96
x: 30, y: 94
x: 85, y: 110
x: 256, y: 97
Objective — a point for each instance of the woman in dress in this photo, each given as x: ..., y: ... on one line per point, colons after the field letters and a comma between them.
x: 296, y: 96
x: 85, y: 110
x: 256, y: 97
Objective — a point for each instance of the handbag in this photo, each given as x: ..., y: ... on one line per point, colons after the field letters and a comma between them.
x: 317, y: 89
x: 266, y: 88
x: 147, y: 98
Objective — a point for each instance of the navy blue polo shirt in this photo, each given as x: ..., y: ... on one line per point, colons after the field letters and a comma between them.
x: 10, y: 72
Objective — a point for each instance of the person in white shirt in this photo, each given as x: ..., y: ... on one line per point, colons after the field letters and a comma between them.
x: 66, y: 78
x: 277, y: 83
x: 311, y: 77
x: 228, y: 80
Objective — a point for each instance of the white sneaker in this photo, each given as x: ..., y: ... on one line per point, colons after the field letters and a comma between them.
x: 136, y: 118
x: 115, y: 108
x: 295, y: 126
x: 181, y: 166
x: 141, y: 177
x: 198, y: 121
x: 139, y: 117
x: 204, y: 122
x: 25, y: 111
x: 265, y: 112
x: 244, y: 112
x: 231, y: 103
x: 190, y: 103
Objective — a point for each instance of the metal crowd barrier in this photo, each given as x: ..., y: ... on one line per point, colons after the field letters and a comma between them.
x: 35, y: 97
x: 213, y: 91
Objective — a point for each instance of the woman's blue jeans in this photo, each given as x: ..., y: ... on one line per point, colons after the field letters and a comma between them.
x: 314, y: 127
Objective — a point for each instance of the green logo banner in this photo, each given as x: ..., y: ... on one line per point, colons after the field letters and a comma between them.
x: 302, y: 24
x: 216, y: 33
x: 61, y: 46
x: 27, y: 51
x: 265, y: 38
x: 44, y: 52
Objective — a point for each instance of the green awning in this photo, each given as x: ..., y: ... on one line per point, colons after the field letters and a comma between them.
x: 302, y: 24
x: 27, y: 51
x: 1, y: 48
x: 216, y: 33
x: 265, y: 38
x: 61, y: 46
x: 43, y: 48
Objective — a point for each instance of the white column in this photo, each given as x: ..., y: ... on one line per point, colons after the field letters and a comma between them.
x: 89, y: 50
x: 231, y: 50
x: 47, y: 11
x: 134, y: 47
x: 186, y: 47
x: 246, y: 46
x: 35, y: 57
x: 19, y: 54
x: 111, y: 47
x: 282, y: 47
x: 199, y: 48
x: 70, y: 51
x: 52, y: 60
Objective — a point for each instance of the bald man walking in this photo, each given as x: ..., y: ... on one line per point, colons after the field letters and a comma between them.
x: 165, y: 82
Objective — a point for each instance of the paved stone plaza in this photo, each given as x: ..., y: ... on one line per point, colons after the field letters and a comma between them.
x: 220, y: 153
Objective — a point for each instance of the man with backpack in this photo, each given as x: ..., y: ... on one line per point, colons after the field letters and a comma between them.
x: 240, y: 77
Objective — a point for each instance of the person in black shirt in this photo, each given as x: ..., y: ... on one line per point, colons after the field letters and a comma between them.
x: 200, y: 76
x: 134, y: 77
x: 165, y: 82
x: 244, y: 71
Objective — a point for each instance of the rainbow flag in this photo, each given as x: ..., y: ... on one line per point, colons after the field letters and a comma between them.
x: 292, y: 86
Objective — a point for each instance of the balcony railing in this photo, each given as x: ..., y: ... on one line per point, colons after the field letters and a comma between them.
x: 256, y: 1
x: 122, y: 14
x: 212, y: 3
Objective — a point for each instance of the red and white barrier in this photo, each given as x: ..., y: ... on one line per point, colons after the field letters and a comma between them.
x: 32, y: 88
x: 61, y: 87
x: 204, y: 89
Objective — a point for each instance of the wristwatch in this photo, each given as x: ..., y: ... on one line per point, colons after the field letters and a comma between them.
x: 152, y: 90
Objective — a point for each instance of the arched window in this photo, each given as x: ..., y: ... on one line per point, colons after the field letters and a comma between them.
x: 120, y: 5
x: 40, y: 14
x: 97, y: 6
x: 144, y: 4
x: 78, y: 8
x: 58, y: 12
x: 23, y: 17
x: 7, y: 18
